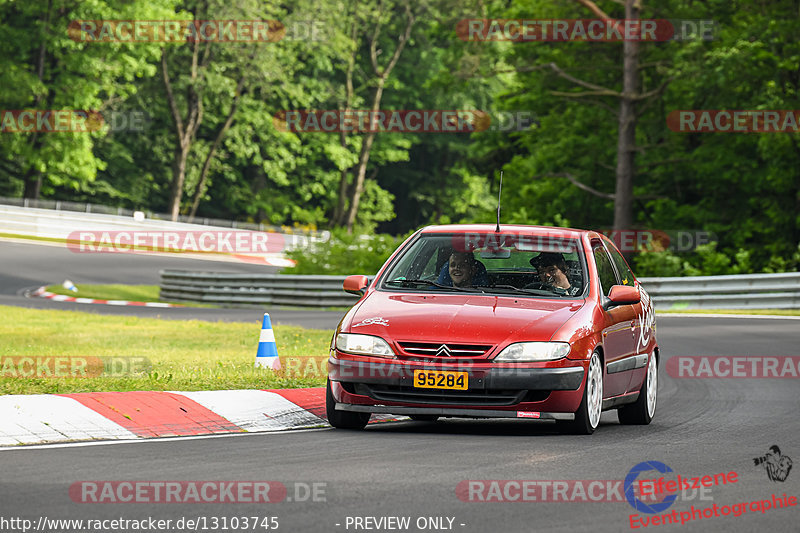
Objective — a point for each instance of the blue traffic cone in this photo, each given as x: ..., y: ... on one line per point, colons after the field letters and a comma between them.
x: 267, y: 355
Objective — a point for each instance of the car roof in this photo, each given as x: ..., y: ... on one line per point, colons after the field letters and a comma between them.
x: 508, y: 228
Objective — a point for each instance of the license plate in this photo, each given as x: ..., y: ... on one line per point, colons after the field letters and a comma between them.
x: 441, y: 379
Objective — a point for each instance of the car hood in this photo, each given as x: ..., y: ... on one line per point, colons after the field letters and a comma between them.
x: 459, y: 318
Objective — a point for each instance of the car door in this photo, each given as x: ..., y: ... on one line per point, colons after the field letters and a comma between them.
x: 641, y: 327
x: 618, y: 345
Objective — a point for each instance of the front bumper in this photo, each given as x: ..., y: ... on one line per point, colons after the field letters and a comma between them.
x: 396, y: 372
x: 387, y: 386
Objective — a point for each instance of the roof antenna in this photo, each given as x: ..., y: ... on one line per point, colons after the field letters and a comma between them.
x: 499, y: 193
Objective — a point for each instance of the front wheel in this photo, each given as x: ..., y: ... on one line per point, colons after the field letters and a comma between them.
x: 587, y: 418
x: 343, y: 419
x: 641, y: 411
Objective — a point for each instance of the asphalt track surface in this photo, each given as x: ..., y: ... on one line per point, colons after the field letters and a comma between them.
x: 701, y: 427
x: 26, y: 266
x: 412, y: 469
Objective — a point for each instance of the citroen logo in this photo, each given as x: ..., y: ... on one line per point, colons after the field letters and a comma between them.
x: 443, y: 351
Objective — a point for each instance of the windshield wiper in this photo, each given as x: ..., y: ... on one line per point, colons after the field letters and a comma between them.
x: 535, y: 292
x: 435, y: 284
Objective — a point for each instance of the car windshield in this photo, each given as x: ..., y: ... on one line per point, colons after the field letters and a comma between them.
x: 490, y: 263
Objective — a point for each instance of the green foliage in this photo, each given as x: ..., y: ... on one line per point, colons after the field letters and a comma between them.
x: 657, y: 264
x: 42, y: 68
x: 345, y: 254
x: 707, y: 261
x: 184, y: 354
x: 784, y: 264
x: 745, y: 188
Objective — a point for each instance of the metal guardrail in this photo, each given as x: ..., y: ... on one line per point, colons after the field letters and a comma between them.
x: 254, y: 289
x: 747, y: 291
x: 81, y: 207
x: 752, y: 291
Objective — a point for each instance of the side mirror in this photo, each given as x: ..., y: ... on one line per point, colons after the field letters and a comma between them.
x: 356, y: 285
x: 622, y: 295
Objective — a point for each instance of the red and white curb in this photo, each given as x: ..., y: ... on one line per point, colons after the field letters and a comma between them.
x: 42, y: 292
x: 41, y: 418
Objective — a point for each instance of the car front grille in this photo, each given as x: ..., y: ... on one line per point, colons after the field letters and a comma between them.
x: 436, y: 350
x: 477, y: 397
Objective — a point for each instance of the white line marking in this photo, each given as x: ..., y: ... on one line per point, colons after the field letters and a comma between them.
x: 151, y: 440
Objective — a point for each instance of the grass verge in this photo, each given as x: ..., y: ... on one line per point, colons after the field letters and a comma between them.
x: 184, y: 355
x: 31, y: 238
x: 132, y: 293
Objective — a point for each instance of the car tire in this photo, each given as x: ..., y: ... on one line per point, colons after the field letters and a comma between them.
x: 587, y: 418
x: 343, y: 419
x: 642, y: 411
x: 424, y: 418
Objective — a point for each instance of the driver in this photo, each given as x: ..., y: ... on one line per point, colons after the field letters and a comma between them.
x: 553, y: 272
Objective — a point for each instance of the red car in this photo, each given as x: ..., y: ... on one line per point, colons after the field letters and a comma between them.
x: 524, y: 322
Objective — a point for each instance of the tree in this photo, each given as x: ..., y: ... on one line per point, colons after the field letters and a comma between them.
x: 628, y: 98
x: 185, y: 128
x: 353, y: 188
x: 44, y: 66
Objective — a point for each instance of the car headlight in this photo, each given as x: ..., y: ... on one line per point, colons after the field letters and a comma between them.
x: 363, y: 345
x: 522, y: 352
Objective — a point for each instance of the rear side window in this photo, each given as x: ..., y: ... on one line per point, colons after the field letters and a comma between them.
x: 605, y: 271
x: 622, y: 267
